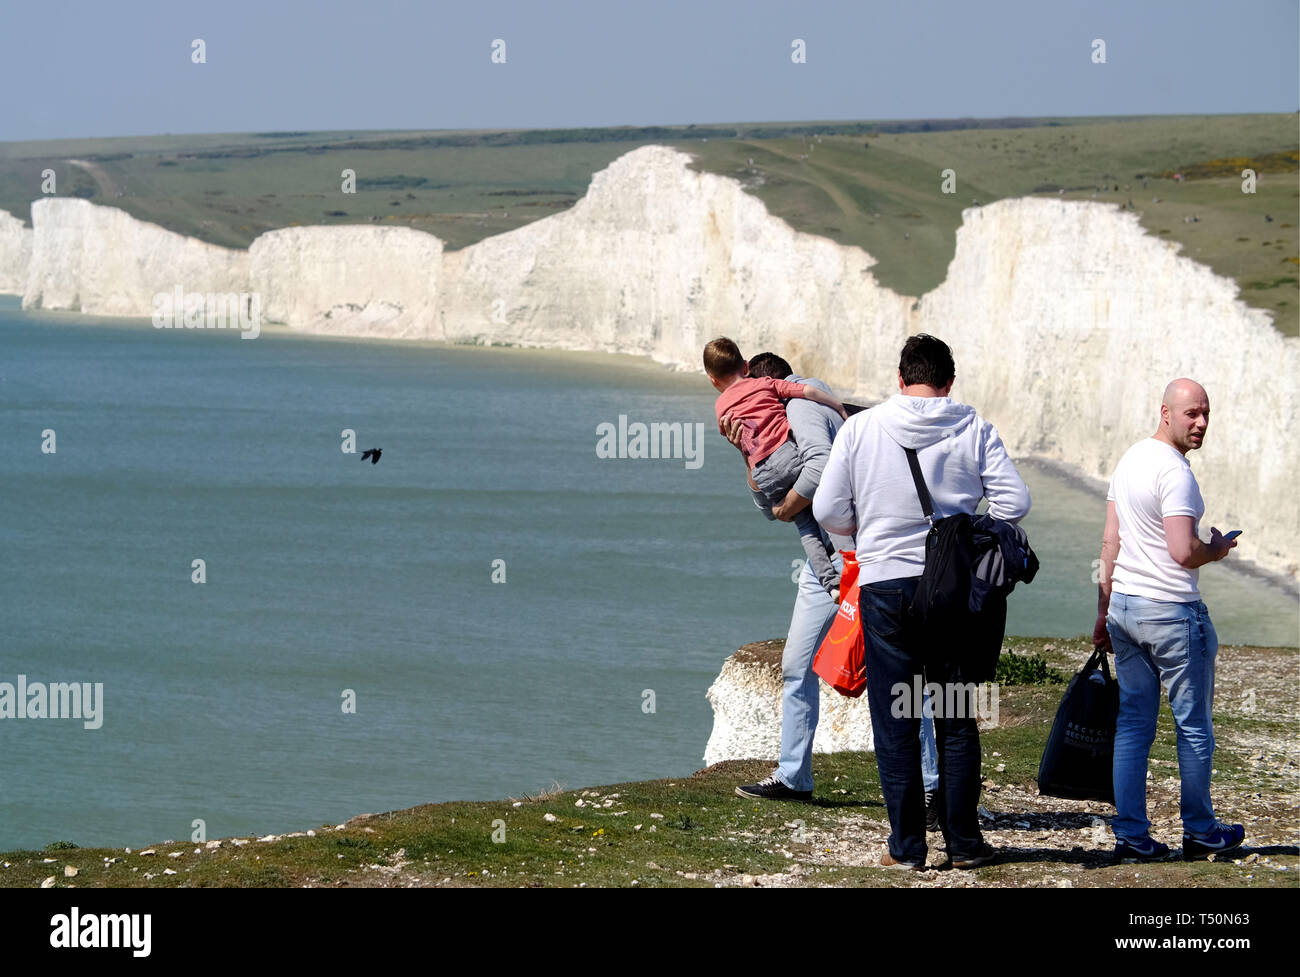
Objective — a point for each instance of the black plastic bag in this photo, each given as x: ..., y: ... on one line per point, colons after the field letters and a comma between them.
x: 1078, y: 760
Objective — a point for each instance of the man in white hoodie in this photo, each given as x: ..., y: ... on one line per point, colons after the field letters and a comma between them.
x: 867, y: 491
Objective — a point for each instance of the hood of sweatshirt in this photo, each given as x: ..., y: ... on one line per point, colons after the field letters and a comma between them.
x: 917, y: 422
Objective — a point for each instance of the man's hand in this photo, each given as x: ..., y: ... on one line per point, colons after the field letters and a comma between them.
x: 1101, y: 636
x: 1219, y: 546
x: 790, y: 506
x: 731, y: 429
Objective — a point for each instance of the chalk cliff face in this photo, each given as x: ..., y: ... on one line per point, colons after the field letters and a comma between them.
x: 103, y: 261
x: 746, y: 700
x: 348, y: 281
x: 656, y: 260
x: 1066, y: 318
x: 15, y: 254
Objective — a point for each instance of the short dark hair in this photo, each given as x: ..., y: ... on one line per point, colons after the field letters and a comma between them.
x: 927, y: 360
x: 769, y: 365
x: 722, y: 358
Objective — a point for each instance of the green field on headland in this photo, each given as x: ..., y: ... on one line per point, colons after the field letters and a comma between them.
x: 871, y: 184
x: 694, y: 831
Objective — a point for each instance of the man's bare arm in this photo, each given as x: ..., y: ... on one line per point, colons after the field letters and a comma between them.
x: 790, y: 506
x: 1187, y: 550
x: 1109, y: 551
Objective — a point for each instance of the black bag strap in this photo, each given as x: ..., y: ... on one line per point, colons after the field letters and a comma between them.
x: 922, y: 492
x: 1099, y: 660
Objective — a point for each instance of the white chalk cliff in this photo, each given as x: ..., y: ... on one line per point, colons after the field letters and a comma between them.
x: 746, y: 700
x: 15, y: 254
x: 354, y: 281
x: 1066, y: 318
x: 103, y: 261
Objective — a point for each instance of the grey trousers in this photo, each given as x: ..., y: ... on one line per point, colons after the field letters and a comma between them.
x: 775, y: 476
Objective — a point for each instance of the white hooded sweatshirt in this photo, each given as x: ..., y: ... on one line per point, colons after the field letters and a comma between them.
x: 866, y: 490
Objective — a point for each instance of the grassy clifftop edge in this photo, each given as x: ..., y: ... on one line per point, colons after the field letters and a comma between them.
x: 694, y: 831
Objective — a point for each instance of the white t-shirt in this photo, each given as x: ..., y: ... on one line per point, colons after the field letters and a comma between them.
x: 1153, y: 481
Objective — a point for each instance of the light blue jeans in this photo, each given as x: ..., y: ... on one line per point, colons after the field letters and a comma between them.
x: 1160, y: 643
x: 813, y: 613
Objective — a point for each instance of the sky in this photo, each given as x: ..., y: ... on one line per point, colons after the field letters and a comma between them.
x: 93, y: 68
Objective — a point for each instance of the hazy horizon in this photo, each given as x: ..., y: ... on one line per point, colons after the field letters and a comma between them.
x: 393, y: 65
x: 700, y: 124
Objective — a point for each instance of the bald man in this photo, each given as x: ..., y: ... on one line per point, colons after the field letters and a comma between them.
x: 1150, y: 615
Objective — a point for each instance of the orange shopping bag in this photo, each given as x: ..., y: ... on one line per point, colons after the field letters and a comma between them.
x: 840, y: 660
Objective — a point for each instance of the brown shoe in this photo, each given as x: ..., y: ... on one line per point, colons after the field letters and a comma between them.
x: 887, y: 861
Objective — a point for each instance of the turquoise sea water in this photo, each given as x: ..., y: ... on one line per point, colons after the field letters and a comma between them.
x: 326, y: 573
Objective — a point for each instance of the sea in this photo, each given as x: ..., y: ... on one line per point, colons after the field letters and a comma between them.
x: 277, y: 634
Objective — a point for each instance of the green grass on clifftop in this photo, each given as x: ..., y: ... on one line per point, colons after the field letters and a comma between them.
x: 694, y: 831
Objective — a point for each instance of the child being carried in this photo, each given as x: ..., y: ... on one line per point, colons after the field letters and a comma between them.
x: 767, y: 441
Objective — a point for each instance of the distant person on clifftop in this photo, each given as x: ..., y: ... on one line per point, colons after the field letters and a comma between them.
x: 814, y: 428
x: 1150, y: 614
x: 868, y: 490
x: 767, y: 442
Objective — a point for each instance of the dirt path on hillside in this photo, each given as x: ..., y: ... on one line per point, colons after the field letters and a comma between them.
x: 107, y: 186
x: 842, y: 200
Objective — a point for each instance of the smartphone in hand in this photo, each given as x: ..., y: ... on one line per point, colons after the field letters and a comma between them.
x: 1229, y: 537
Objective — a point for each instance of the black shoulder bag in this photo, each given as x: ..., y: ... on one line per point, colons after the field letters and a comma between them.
x: 949, y: 632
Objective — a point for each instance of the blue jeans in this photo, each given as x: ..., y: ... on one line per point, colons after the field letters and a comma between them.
x: 929, y: 752
x: 813, y: 613
x: 893, y: 657
x: 1161, y: 643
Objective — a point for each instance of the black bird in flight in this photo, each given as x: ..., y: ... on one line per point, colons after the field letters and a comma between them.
x: 373, y: 454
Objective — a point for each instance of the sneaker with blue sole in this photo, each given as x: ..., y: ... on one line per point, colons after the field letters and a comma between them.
x: 1224, y: 838
x: 1144, y: 850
